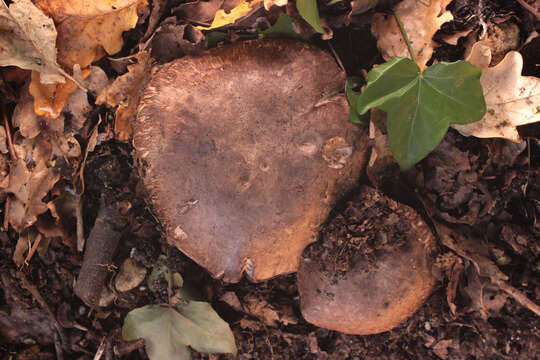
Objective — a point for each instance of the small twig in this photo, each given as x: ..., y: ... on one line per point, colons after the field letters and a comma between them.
x: 33, y: 249
x: 336, y: 56
x: 124, y: 348
x: 8, y: 134
x: 6, y: 214
x: 405, y: 37
x: 80, y: 224
x: 518, y: 296
x: 58, y: 347
x: 100, y: 350
x: 530, y: 8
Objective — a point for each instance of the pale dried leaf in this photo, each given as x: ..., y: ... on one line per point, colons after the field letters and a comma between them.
x: 89, y: 30
x: 3, y: 139
x: 421, y: 22
x: 28, y: 188
x: 28, y: 40
x: 125, y: 92
x: 82, y: 9
x: 512, y: 100
x: 67, y: 146
x: 25, y: 118
x: 269, y: 3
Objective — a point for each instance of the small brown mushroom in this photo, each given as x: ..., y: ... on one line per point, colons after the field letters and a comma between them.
x: 371, y: 269
x: 244, y: 150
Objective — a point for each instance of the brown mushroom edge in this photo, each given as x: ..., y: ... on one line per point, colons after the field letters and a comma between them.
x: 244, y: 151
x: 371, y: 269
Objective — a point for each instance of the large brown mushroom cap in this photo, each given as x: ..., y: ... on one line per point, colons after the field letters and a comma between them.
x: 371, y: 270
x: 244, y: 151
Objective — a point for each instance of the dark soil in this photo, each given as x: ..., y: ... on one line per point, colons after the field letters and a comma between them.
x: 490, y: 187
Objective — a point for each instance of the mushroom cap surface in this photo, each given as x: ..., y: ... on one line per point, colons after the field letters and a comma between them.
x: 244, y: 150
x: 371, y: 270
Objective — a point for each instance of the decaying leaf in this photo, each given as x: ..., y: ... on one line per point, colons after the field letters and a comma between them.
x: 125, y: 92
x: 23, y: 246
x: 486, y: 298
x: 241, y: 10
x: 82, y: 9
x: 89, y: 30
x: 511, y: 99
x: 452, y: 265
x: 28, y: 40
x: 262, y: 310
x: 172, y: 40
x: 77, y: 104
x: 28, y: 187
x: 50, y: 99
x: 169, y: 331
x: 24, y: 117
x: 421, y: 22
x: 202, y: 12
x: 476, y: 251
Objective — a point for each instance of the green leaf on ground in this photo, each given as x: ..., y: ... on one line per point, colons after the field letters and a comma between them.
x: 354, y: 82
x: 309, y: 11
x: 169, y: 331
x: 283, y: 28
x: 421, y: 106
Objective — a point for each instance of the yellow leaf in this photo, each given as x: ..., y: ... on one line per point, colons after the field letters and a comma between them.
x: 222, y: 18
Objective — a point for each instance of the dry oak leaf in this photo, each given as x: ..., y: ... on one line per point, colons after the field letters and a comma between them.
x: 88, y: 30
x: 125, y: 93
x: 28, y: 187
x: 421, y: 22
x: 28, y: 40
x: 82, y: 9
x: 511, y: 99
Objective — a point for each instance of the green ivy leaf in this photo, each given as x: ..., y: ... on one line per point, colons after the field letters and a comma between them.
x: 169, y: 331
x: 308, y: 11
x: 354, y: 82
x: 421, y: 106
